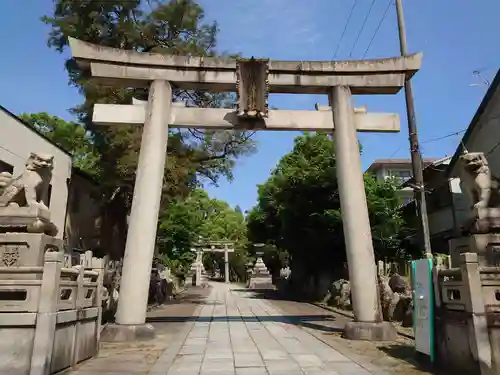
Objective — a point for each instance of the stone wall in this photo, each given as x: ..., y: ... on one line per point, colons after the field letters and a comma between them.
x: 467, y: 316
x: 49, y: 316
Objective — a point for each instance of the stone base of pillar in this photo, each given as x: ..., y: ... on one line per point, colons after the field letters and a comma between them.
x: 127, y: 333
x: 261, y: 283
x: 370, y: 331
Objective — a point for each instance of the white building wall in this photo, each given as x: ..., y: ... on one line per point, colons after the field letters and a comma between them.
x: 484, y: 138
x: 16, y: 143
x: 461, y: 202
x: 486, y: 134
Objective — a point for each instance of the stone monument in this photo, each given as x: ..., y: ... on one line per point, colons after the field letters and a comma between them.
x: 26, y: 232
x: 260, y: 278
x: 481, y: 232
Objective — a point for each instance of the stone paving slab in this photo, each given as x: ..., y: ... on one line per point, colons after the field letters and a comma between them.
x: 141, y: 358
x: 379, y: 358
x: 231, y: 332
x: 236, y: 333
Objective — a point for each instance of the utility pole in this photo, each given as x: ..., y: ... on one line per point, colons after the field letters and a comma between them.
x: 416, y: 156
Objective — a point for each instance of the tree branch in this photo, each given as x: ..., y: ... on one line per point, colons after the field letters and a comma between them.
x: 228, y: 147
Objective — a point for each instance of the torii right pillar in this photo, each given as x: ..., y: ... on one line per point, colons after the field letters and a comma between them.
x: 368, y: 323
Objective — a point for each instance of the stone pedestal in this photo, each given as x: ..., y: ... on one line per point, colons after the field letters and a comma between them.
x: 27, y: 250
x: 127, y: 332
x: 486, y: 246
x: 203, y: 278
x: 260, y: 277
x: 484, y: 220
x: 26, y: 220
x: 370, y: 331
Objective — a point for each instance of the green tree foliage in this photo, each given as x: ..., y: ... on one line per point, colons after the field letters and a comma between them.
x: 184, y: 222
x: 169, y: 27
x: 70, y: 136
x: 298, y: 209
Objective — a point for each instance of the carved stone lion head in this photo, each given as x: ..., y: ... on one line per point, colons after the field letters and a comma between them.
x: 40, y: 162
x: 473, y: 161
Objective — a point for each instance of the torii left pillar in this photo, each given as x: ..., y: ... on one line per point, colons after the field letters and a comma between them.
x: 141, y: 237
x: 368, y: 323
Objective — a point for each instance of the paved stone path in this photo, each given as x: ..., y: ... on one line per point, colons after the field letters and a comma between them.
x: 138, y: 358
x: 238, y: 334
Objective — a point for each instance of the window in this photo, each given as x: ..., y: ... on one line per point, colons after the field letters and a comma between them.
x: 400, y: 174
x: 6, y: 167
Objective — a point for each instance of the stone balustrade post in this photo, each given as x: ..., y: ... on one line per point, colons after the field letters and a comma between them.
x: 79, y: 304
x: 474, y: 304
x: 99, y: 265
x: 47, y: 314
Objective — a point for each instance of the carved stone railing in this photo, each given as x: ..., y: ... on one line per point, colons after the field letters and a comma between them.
x: 49, y: 316
x: 468, y: 317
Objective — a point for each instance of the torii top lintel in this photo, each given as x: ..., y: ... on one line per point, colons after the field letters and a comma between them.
x: 127, y: 68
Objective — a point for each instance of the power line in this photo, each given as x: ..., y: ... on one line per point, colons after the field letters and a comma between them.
x: 493, y: 148
x: 433, y: 140
x: 395, y: 152
x: 345, y: 29
x: 444, y: 136
x: 378, y: 28
x: 10, y: 152
x: 362, y: 27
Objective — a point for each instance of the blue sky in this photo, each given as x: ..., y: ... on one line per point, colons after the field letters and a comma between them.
x: 456, y: 36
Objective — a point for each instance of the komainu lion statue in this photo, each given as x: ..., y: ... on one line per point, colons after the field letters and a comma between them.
x: 30, y: 189
x: 477, y: 181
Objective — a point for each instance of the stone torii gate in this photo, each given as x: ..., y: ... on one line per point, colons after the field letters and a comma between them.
x: 225, y: 247
x: 252, y: 80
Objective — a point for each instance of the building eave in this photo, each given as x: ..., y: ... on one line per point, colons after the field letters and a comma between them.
x: 15, y: 117
x: 474, y: 122
x: 436, y: 168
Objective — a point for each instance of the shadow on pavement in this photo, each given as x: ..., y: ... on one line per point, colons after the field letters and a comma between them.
x: 270, y: 295
x: 299, y: 320
x: 400, y: 354
x: 195, y: 295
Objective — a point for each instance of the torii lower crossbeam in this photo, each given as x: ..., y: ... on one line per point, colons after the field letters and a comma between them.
x: 214, y: 118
